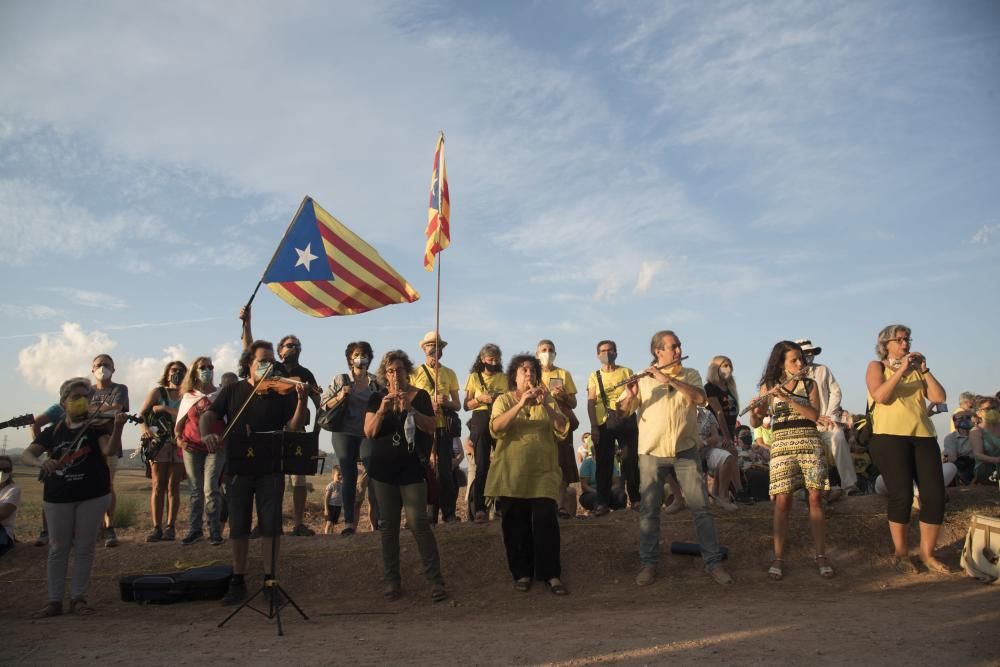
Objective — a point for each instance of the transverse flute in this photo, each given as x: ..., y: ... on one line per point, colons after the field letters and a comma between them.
x: 633, y: 378
x: 773, y: 390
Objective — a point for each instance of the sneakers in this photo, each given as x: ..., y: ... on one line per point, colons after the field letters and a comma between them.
x: 168, y: 534
x: 216, y: 539
x: 236, y: 593
x: 191, y: 538
x: 646, y: 576
x: 110, y: 538
x: 719, y: 574
x: 255, y: 533
x: 156, y: 535
x: 43, y: 539
x: 600, y: 510
x: 303, y: 530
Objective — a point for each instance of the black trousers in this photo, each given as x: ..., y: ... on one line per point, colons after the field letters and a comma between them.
x: 531, y: 537
x: 483, y: 443
x: 626, y: 438
x: 447, y: 490
x: 903, y: 461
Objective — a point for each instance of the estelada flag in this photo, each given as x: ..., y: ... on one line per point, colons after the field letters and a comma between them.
x: 439, y: 209
x: 322, y: 268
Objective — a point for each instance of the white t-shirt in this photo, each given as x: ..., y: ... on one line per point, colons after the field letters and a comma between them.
x: 10, y: 495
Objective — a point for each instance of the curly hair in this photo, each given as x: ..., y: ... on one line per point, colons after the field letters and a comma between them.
x: 243, y: 367
x: 774, y: 372
x: 362, y: 345
x: 516, y: 362
x: 390, y: 357
x: 488, y: 350
x: 887, y: 334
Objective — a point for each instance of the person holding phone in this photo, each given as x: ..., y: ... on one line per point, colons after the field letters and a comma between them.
x: 559, y: 382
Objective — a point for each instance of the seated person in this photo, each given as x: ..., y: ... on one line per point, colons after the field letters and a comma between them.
x: 985, y: 440
x: 588, y: 485
x: 956, y: 447
x: 720, y: 464
x: 763, y: 436
x: 10, y: 498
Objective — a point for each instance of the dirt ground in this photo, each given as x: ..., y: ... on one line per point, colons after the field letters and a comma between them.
x: 868, y: 614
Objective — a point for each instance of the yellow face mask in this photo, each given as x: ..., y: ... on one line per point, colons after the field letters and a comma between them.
x: 77, y: 407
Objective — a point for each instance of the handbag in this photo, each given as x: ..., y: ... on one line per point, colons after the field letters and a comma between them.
x: 981, y: 553
x: 332, y: 419
x: 863, y: 427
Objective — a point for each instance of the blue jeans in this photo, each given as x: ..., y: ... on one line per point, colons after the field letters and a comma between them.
x: 350, y: 449
x: 653, y: 471
x: 203, y: 470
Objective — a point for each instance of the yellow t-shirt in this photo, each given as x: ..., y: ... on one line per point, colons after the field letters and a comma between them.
x: 668, y: 420
x: 525, y: 462
x: 609, y: 380
x: 907, y: 413
x: 446, y: 379
x: 495, y: 384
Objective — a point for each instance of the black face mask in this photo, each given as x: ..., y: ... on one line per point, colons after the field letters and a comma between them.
x: 746, y: 439
x: 493, y: 368
x: 964, y: 423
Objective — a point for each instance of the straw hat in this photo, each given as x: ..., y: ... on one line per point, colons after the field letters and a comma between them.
x: 429, y: 339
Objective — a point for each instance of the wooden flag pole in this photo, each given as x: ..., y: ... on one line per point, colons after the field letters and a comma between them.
x: 437, y: 307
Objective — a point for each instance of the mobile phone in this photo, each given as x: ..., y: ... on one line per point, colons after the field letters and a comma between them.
x: 555, y: 382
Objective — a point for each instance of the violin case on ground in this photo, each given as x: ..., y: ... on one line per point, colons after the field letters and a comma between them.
x: 199, y: 583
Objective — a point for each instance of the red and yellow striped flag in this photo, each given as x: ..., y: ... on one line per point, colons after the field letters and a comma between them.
x: 439, y: 209
x: 322, y: 268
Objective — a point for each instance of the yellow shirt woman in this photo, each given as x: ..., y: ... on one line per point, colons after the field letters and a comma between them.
x: 907, y: 414
x: 526, y: 459
x: 482, y: 383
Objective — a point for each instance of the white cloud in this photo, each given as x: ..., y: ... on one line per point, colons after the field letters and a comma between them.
x: 647, y: 271
x: 985, y: 234
x: 55, y: 358
x: 143, y: 373
x: 89, y: 298
x: 29, y: 311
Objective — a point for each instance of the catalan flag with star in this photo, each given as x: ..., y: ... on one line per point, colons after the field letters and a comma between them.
x: 439, y: 209
x: 322, y: 268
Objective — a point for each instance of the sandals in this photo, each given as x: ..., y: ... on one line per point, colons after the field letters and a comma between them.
x: 903, y: 565
x: 934, y: 565
x: 79, y: 607
x: 438, y: 593
x: 557, y: 589
x: 48, y: 611
x: 522, y: 585
x: 775, y: 571
x: 825, y: 570
x: 391, y: 593
x: 480, y: 517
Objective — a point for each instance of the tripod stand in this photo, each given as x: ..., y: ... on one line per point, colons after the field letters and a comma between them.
x: 281, y: 452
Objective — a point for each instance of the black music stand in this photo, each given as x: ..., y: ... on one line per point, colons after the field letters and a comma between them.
x: 276, y: 452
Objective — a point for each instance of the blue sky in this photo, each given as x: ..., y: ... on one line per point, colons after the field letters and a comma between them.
x: 739, y: 172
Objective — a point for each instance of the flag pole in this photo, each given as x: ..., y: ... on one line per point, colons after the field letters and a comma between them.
x: 437, y: 307
x: 275, y: 255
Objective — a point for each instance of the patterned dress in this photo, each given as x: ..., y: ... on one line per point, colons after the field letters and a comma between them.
x: 797, y: 458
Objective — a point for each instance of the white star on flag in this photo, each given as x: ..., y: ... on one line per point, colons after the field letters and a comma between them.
x: 305, y: 256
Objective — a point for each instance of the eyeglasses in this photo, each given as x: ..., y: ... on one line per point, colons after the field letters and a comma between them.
x: 671, y: 346
x: 900, y: 341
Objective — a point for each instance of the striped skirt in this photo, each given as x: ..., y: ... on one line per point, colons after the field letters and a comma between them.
x: 797, y: 461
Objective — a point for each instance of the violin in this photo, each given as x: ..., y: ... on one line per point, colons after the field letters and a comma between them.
x: 283, y: 386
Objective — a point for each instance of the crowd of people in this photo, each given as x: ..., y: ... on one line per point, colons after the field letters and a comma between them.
x: 660, y: 440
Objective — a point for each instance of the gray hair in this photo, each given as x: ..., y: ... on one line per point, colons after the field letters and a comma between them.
x: 72, y: 383
x: 966, y: 397
x: 489, y: 350
x: 887, y: 334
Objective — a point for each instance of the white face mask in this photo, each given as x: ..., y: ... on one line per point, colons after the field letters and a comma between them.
x: 4, y: 476
x: 360, y: 362
x: 547, y: 358
x: 102, y: 373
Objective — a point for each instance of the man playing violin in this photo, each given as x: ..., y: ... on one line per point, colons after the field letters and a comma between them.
x: 666, y: 402
x: 289, y: 349
x: 270, y: 411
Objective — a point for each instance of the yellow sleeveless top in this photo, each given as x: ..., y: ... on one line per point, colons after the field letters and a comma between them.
x: 907, y: 413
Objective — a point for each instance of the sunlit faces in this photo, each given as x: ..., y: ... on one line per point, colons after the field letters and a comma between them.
x: 492, y: 363
x: 546, y: 353
x: 395, y: 374
x: 793, y: 362
x: 607, y: 353
x: 525, y: 378
x: 668, y: 351
x: 899, y: 345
